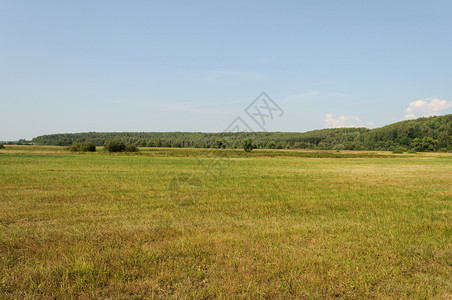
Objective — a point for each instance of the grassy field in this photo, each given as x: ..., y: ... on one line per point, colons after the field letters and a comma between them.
x: 269, y: 224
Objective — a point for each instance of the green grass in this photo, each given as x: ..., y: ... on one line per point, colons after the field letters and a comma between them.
x: 271, y: 224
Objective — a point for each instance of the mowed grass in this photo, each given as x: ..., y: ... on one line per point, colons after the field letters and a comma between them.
x: 253, y: 226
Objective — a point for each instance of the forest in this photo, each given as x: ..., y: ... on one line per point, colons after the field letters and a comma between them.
x: 422, y: 134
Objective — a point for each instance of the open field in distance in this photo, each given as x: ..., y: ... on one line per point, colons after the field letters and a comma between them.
x: 272, y: 224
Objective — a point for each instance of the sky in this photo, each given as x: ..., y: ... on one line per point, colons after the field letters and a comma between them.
x: 80, y: 66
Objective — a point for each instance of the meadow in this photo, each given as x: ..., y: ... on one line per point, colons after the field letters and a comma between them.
x: 183, y: 224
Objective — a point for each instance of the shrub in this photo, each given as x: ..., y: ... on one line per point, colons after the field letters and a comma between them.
x: 2, y: 146
x: 412, y: 151
x: 157, y: 143
x: 323, y: 146
x: 115, y: 146
x: 131, y: 148
x: 339, y: 147
x: 219, y: 144
x: 271, y: 145
x: 398, y: 150
x: 248, y: 145
x: 83, y: 147
x: 140, y: 143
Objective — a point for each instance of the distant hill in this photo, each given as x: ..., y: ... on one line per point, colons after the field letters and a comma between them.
x: 423, y: 134
x: 438, y: 129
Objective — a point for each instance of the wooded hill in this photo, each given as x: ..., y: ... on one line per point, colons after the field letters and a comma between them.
x: 423, y: 134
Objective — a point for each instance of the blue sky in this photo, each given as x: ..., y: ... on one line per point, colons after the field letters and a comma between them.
x: 76, y: 66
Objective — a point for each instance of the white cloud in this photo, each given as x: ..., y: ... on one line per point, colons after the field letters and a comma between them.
x: 427, y: 107
x: 342, y: 121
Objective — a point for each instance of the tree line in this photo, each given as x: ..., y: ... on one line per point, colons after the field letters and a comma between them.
x: 423, y: 134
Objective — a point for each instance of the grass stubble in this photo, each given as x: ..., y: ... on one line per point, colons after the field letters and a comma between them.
x: 275, y: 224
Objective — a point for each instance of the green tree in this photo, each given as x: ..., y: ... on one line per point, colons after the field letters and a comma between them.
x: 176, y: 144
x: 140, y: 143
x: 425, y: 144
x: 158, y: 143
x: 339, y: 147
x: 219, y: 144
x: 444, y: 139
x: 115, y: 146
x: 271, y: 145
x: 248, y: 145
x: 323, y: 146
x: 83, y: 147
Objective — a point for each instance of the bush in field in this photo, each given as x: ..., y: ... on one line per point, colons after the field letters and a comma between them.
x: 398, y: 150
x: 248, y: 145
x: 83, y: 147
x: 131, y: 148
x: 219, y: 144
x: 115, y: 146
x: 339, y: 147
x: 2, y: 146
